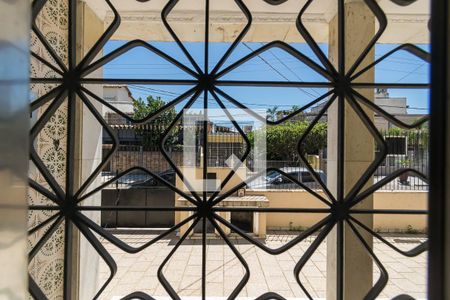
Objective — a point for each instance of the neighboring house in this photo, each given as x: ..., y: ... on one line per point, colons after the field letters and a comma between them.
x: 222, y: 143
x: 393, y: 105
x: 121, y: 98
x: 396, y: 106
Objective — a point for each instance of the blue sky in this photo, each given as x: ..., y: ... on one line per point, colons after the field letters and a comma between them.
x: 274, y: 64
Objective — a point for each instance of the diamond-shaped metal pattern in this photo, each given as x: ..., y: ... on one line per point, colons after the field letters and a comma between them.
x: 72, y: 86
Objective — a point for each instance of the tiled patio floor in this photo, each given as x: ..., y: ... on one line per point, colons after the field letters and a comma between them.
x: 267, y: 272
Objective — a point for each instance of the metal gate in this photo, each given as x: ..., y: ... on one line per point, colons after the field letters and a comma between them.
x: 159, y: 197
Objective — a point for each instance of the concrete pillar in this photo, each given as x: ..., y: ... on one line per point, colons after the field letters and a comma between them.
x: 14, y: 126
x: 256, y: 223
x: 88, y: 155
x: 262, y: 224
x: 358, y: 149
x: 227, y: 216
x: 182, y: 216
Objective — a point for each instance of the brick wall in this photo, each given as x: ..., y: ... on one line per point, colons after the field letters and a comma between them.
x: 152, y: 160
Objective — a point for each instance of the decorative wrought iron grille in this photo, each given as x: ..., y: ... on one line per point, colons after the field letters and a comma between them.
x: 66, y: 86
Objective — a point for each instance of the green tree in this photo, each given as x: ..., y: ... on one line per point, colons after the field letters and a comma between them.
x: 275, y: 113
x: 151, y: 132
x: 300, y: 116
x: 272, y: 113
x: 282, y: 140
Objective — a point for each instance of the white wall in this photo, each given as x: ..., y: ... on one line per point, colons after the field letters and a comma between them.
x: 119, y: 97
x: 395, y: 106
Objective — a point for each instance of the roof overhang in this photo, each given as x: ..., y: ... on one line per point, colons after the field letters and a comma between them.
x: 142, y: 20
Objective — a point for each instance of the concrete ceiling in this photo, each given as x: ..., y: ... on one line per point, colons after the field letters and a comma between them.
x: 142, y: 20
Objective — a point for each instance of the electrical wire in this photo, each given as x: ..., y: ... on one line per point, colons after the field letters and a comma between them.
x: 169, y: 93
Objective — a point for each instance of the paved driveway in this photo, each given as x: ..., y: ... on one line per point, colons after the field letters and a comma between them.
x: 268, y: 273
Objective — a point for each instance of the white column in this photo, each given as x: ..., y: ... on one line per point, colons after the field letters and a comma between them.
x: 89, y: 154
x: 358, y: 154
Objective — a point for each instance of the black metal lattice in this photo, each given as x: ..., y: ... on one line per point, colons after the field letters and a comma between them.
x: 342, y: 87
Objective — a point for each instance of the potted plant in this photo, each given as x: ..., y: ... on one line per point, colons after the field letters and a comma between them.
x: 405, y: 162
